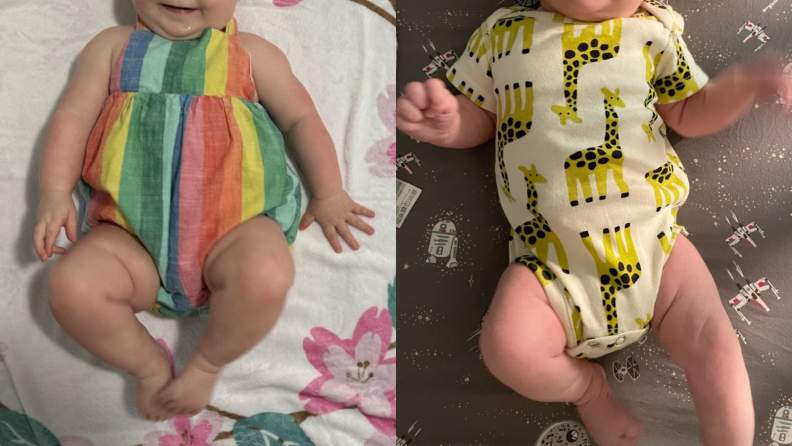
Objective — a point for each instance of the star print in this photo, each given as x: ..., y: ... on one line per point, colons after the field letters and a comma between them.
x: 406, y: 266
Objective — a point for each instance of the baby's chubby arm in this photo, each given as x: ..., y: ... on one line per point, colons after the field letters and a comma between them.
x: 725, y: 99
x: 295, y: 114
x: 64, y: 150
x: 428, y: 112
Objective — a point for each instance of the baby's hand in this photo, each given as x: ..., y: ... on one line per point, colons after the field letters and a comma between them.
x: 428, y: 112
x: 55, y: 211
x: 335, y: 213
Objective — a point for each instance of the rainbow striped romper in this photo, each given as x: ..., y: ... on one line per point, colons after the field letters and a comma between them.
x: 182, y: 153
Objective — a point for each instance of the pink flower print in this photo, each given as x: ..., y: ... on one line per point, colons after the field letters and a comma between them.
x: 354, y: 371
x: 380, y: 439
x: 285, y: 3
x: 381, y: 157
x: 187, y: 434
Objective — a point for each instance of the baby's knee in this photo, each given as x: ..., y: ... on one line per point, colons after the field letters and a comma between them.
x: 265, y: 281
x: 69, y: 290
x: 507, y: 353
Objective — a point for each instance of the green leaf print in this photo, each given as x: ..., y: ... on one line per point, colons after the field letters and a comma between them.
x: 18, y: 429
x: 270, y: 429
x: 392, y: 301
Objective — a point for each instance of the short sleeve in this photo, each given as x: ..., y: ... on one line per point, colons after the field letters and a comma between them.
x: 678, y: 76
x: 472, y: 73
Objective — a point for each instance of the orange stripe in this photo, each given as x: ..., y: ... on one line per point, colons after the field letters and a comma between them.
x: 221, y: 179
x: 102, y: 206
x: 239, y: 83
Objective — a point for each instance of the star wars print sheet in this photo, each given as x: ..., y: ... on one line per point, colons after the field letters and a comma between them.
x: 453, y: 246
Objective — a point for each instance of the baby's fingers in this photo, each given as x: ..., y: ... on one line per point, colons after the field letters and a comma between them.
x: 39, y: 233
x: 356, y: 222
x: 346, y: 234
x: 306, y: 221
x: 71, y: 228
x: 360, y: 210
x: 53, y: 230
x: 406, y: 111
x: 332, y: 237
x: 416, y: 93
x: 441, y: 101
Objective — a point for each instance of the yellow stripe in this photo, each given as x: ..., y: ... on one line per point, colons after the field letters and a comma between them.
x: 252, y: 163
x: 113, y: 158
x: 216, y: 65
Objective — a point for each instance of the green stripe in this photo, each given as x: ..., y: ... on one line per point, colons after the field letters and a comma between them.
x: 195, y: 67
x: 171, y: 126
x: 152, y: 140
x: 174, y: 69
x: 272, y: 155
x: 154, y: 65
x: 129, y: 190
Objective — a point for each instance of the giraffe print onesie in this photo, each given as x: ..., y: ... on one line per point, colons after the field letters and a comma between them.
x: 595, y: 217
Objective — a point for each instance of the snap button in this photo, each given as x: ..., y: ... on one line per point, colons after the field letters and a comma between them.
x: 593, y: 344
x: 621, y: 340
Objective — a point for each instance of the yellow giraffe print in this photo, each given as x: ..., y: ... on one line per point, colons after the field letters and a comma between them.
x: 620, y: 269
x: 643, y: 323
x: 504, y: 36
x: 599, y: 160
x: 667, y: 241
x: 465, y: 89
x: 476, y: 45
x: 546, y: 276
x: 515, y: 116
x: 665, y: 184
x: 678, y: 85
x: 536, y: 233
x: 652, y: 96
x: 583, y: 49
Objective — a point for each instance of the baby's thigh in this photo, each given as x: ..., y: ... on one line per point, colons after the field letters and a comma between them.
x: 253, y: 255
x: 688, y: 297
x: 107, y: 265
x: 520, y: 320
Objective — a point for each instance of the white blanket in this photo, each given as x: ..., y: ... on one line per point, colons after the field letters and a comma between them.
x: 53, y: 392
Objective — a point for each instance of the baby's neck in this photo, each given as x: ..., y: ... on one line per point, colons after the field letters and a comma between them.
x: 544, y: 8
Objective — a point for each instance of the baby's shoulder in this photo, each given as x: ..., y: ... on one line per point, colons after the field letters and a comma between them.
x: 260, y: 48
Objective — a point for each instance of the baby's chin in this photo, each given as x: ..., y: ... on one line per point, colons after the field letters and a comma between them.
x: 178, y: 31
x: 592, y: 10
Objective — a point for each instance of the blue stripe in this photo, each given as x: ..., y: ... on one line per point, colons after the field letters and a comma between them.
x: 172, y: 279
x: 133, y: 60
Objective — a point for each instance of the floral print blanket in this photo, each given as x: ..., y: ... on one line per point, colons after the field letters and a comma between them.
x: 326, y: 375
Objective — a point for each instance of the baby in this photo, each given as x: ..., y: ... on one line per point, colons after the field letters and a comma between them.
x: 548, y: 83
x: 187, y: 191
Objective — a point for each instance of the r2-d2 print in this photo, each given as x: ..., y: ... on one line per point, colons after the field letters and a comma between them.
x: 782, y: 427
x: 443, y: 242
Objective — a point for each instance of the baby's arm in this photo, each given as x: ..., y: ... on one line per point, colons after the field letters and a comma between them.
x: 723, y: 100
x: 428, y: 112
x: 293, y: 111
x: 64, y: 151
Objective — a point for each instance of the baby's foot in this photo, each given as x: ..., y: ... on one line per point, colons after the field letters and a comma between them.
x: 606, y: 419
x: 150, y: 382
x: 191, y: 391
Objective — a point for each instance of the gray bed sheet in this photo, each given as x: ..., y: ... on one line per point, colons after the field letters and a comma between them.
x: 446, y: 395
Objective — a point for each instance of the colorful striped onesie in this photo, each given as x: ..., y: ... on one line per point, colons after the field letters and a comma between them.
x: 182, y: 153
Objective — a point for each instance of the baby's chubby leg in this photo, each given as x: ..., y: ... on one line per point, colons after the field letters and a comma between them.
x: 249, y: 272
x: 693, y: 327
x: 523, y: 343
x: 94, y: 293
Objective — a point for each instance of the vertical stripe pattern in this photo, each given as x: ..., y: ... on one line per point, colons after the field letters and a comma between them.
x: 180, y: 155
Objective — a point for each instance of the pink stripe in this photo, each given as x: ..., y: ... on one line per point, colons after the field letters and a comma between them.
x: 115, y: 78
x: 191, y: 204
